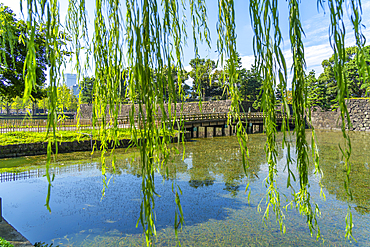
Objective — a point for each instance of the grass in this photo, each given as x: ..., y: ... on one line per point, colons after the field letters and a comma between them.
x: 22, y: 137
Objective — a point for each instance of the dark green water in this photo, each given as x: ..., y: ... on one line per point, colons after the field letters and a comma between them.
x: 216, y: 208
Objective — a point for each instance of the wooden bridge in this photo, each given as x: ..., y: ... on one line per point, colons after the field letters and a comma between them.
x: 253, y: 121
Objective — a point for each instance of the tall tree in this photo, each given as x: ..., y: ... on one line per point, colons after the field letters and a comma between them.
x: 204, y: 83
x: 316, y: 91
x: 172, y: 81
x: 87, y: 95
x: 357, y: 82
x: 14, y: 54
x: 250, y: 84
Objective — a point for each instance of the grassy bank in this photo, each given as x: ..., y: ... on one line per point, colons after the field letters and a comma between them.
x: 22, y: 137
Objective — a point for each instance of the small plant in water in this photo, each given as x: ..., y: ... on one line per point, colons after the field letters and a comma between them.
x: 4, y: 243
x: 42, y: 244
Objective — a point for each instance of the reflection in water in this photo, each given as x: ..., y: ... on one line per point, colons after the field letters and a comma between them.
x: 200, y: 183
x: 334, y: 169
x: 216, y: 209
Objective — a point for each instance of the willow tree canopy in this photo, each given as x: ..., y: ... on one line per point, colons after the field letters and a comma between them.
x: 154, y: 34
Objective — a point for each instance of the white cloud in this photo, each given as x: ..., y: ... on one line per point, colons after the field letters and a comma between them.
x: 187, y: 68
x: 189, y: 81
x: 247, y: 61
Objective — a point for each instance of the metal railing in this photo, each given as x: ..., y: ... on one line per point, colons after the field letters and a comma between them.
x: 40, y: 125
x: 37, y: 173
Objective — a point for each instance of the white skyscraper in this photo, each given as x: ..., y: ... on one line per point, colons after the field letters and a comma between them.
x: 71, y: 82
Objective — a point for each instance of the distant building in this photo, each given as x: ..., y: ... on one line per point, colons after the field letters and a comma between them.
x: 71, y: 83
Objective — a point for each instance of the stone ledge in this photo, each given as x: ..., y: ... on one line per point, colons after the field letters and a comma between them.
x: 32, y: 149
x: 10, y: 234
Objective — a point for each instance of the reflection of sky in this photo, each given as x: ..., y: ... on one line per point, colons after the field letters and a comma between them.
x: 80, y: 212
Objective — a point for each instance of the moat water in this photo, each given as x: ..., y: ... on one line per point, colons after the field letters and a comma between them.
x: 216, y: 208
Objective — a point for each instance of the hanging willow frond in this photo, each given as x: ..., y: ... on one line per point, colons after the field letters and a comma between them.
x: 302, y: 197
x: 272, y: 66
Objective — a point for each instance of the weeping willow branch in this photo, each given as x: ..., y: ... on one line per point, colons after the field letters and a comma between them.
x: 302, y: 197
x: 271, y: 64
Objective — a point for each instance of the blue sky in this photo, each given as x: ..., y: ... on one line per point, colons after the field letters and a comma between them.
x: 315, y: 25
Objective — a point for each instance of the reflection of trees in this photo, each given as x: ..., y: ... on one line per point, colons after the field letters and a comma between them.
x: 334, y: 169
x: 222, y: 157
x: 210, y: 158
x: 200, y: 183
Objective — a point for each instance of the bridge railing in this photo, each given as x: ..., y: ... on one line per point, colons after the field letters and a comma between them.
x: 203, y: 116
x: 122, y: 121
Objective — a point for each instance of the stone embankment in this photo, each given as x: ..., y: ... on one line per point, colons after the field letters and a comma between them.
x: 31, y: 149
x: 9, y: 233
x: 188, y: 108
x: 359, y: 112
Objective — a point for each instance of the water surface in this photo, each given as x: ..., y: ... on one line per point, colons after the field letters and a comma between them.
x: 213, y: 182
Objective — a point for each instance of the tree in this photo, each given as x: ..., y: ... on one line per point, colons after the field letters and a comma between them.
x: 357, y: 84
x: 204, y: 80
x: 43, y: 103
x: 67, y: 101
x: 18, y: 104
x: 169, y: 80
x: 316, y: 92
x: 87, y: 95
x: 250, y: 84
x: 14, y: 54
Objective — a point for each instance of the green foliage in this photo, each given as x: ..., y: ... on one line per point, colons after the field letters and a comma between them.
x: 43, y: 244
x: 18, y: 104
x: 357, y: 80
x: 204, y: 84
x: 250, y: 84
x: 20, y: 137
x: 87, y: 95
x: 66, y: 100
x: 173, y: 79
x: 4, y: 243
x: 316, y: 92
x: 13, y: 54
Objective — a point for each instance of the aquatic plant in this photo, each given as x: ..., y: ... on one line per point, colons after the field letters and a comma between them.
x: 153, y: 33
x: 5, y: 243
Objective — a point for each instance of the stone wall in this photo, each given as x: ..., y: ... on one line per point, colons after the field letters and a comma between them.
x: 40, y: 148
x: 359, y: 112
x: 188, y: 107
x: 31, y: 149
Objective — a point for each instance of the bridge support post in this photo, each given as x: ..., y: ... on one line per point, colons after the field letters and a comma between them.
x: 192, y: 133
x: 214, y: 131
x: 205, y: 132
x: 197, y: 132
x: 223, y: 130
x: 230, y: 127
x: 260, y: 128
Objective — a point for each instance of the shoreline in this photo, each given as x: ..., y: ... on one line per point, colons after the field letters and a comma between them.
x: 40, y: 148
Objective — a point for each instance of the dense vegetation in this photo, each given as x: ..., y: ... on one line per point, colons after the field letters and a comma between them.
x: 323, y: 91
